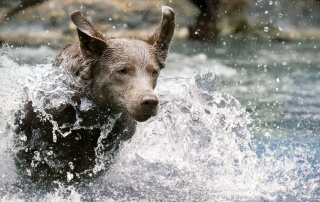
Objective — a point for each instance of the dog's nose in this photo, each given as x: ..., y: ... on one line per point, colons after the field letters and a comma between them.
x: 149, y: 101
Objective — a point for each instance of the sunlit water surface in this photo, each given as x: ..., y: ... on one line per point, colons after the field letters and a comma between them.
x: 248, y: 134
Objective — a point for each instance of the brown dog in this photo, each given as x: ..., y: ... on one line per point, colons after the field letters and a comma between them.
x: 118, y: 76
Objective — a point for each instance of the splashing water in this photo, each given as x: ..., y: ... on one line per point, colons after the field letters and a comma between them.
x: 198, y: 147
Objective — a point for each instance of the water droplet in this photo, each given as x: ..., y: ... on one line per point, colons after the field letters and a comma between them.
x: 258, y: 0
x: 278, y: 80
x: 280, y: 15
x: 47, y: 31
x: 81, y: 6
x: 224, y: 43
x: 308, y: 62
x: 249, y: 102
x: 71, y: 165
x: 276, y: 89
x: 129, y: 4
x: 24, y: 138
x: 280, y: 29
x: 284, y: 63
x: 270, y: 2
x: 110, y: 18
x: 113, y: 27
x: 241, y: 82
x: 69, y: 176
x: 266, y: 12
x: 266, y: 29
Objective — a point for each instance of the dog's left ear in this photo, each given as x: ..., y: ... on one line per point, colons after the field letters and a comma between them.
x: 162, y: 36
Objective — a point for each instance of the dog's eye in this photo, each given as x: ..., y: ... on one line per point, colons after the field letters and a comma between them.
x: 154, y: 73
x: 123, y: 71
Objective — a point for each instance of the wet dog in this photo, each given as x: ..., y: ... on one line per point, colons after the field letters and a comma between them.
x: 118, y: 76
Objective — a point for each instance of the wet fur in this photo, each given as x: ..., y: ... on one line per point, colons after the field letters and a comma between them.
x: 95, y: 62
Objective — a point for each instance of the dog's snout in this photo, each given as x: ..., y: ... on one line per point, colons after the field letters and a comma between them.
x: 150, y: 101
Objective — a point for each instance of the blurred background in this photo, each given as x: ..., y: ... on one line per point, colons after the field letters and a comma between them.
x: 39, y: 22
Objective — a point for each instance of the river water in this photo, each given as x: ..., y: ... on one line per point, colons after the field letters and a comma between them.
x: 238, y: 121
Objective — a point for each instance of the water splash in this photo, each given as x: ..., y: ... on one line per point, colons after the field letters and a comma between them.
x: 197, y: 148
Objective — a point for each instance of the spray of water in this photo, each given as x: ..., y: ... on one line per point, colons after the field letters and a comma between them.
x: 198, y: 147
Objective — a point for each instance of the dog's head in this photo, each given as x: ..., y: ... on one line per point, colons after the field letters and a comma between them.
x: 122, y: 73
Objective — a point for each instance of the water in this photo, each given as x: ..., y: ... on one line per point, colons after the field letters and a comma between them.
x: 242, y: 128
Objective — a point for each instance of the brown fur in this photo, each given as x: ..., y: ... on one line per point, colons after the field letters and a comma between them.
x: 118, y: 75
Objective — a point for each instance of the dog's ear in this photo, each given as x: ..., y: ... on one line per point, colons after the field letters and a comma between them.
x: 92, y: 42
x: 162, y: 36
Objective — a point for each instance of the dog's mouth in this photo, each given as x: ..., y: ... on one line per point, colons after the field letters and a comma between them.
x: 143, y: 116
x: 140, y: 113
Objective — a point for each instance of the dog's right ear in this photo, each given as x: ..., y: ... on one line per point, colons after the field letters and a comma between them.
x: 92, y: 42
x: 162, y: 36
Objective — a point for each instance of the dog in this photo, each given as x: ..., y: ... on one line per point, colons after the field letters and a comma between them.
x: 118, y: 76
